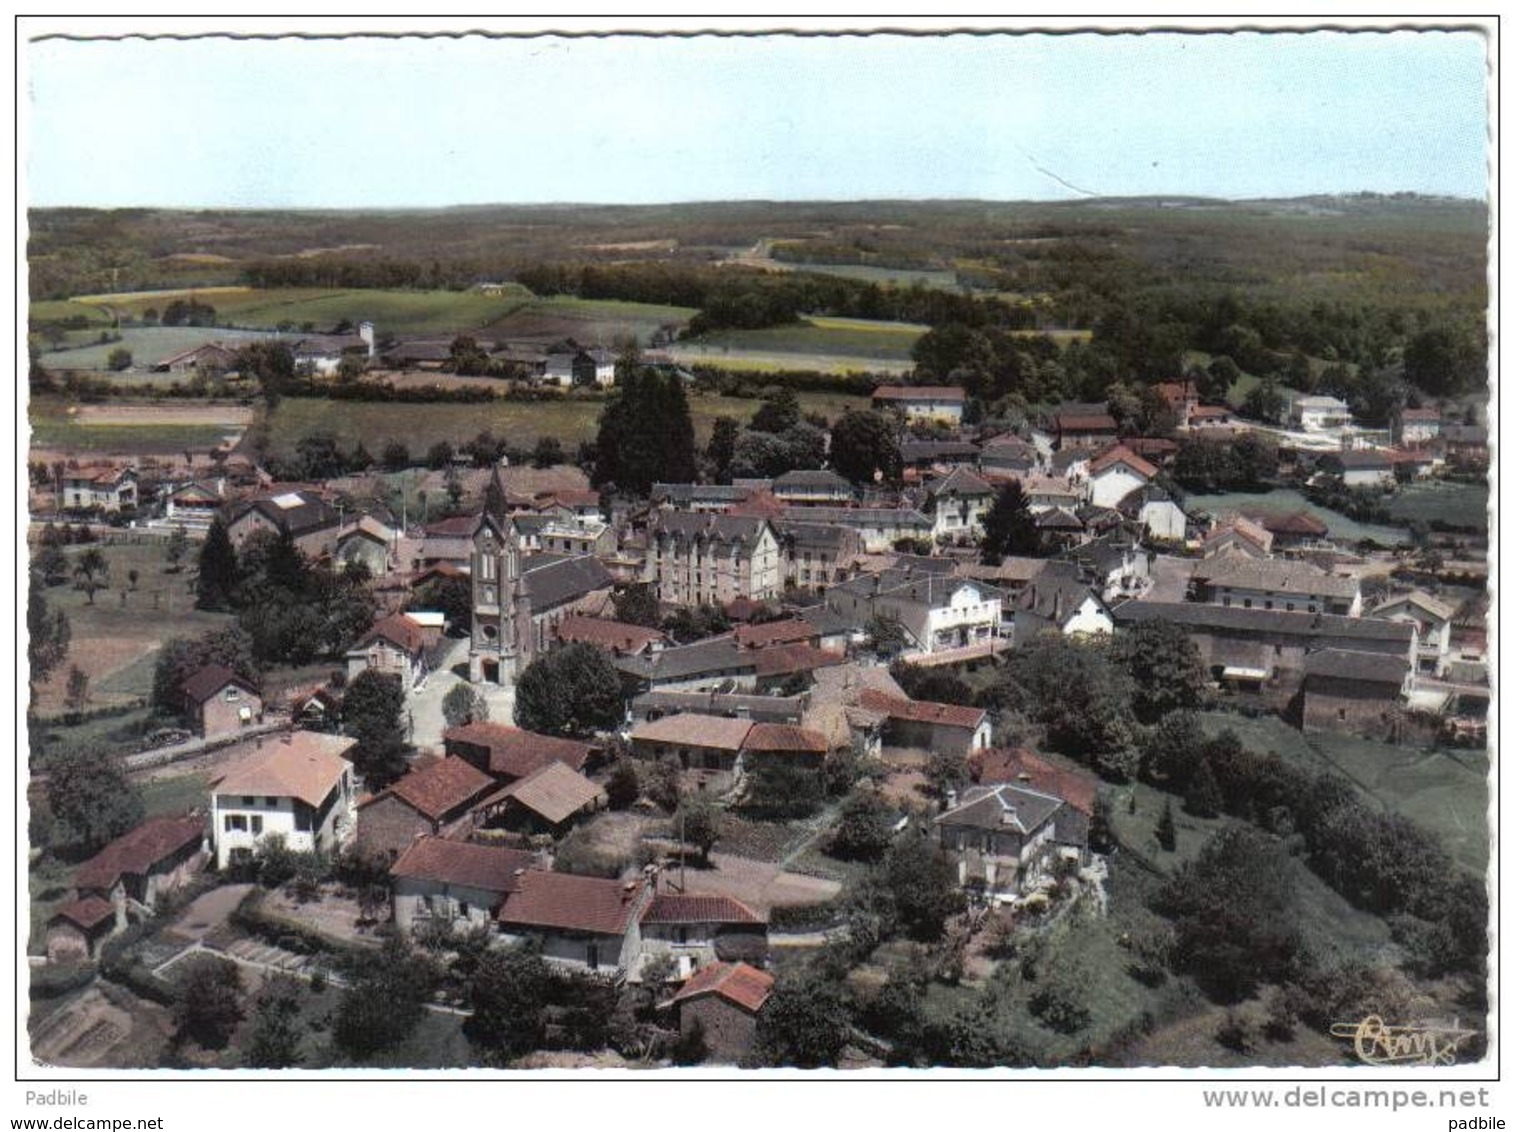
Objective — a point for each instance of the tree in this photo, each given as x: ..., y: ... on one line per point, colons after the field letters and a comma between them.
x: 216, y: 580
x: 779, y: 411
x: 623, y: 787
x: 119, y: 359
x: 373, y: 707
x: 77, y: 695
x: 1202, y: 799
x: 1080, y: 696
x: 777, y: 788
x: 450, y: 596
x: 1171, y: 749
x: 1166, y: 671
x: 90, y: 797
x: 395, y: 456
x: 1221, y: 374
x: 863, y: 445
x: 1265, y: 402
x: 508, y: 995
x: 209, y: 1003
x: 1233, y: 913
x: 722, y: 447
x: 946, y: 771
x: 384, y: 1001
x: 573, y: 690
x: 1446, y: 360
x: 923, y: 885
x: 646, y: 433
x: 91, y: 573
x: 699, y: 823
x: 464, y: 704
x: 271, y: 364
x: 804, y: 1023
x: 866, y: 828
x: 275, y: 1039
x: 47, y: 631
x: 636, y: 603
x: 439, y: 455
x: 548, y: 452
x: 54, y: 565
x: 1010, y: 528
x: 1167, y: 832
x: 1101, y: 830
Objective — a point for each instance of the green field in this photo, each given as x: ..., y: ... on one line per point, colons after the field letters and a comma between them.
x: 391, y: 311
x: 1443, y: 790
x: 884, y: 276
x: 149, y: 345
x: 59, y: 433
x: 590, y: 322
x: 1287, y: 501
x: 519, y: 422
x: 857, y: 338
x: 61, y: 310
x: 1461, y: 504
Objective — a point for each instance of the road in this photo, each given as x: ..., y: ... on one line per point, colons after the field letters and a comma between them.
x: 425, y: 703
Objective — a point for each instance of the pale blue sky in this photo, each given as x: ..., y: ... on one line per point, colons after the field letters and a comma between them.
x: 415, y: 123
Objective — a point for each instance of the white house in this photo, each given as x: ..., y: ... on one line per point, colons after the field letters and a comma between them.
x: 1434, y: 618
x: 1059, y: 598
x: 1417, y: 426
x: 1155, y: 510
x: 456, y: 883
x: 396, y: 644
x: 1362, y: 467
x: 923, y: 402
x: 1116, y: 474
x: 936, y: 611
x: 879, y: 528
x: 957, y: 504
x: 100, y: 489
x: 299, y: 785
x: 1292, y: 585
x: 1319, y: 413
x: 580, y: 923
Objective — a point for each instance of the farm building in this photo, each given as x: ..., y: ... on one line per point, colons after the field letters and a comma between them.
x: 1357, y: 692
x: 219, y: 702
x: 436, y: 799
x: 923, y: 402
x: 723, y: 1000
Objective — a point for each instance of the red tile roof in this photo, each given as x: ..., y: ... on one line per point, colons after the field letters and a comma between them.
x: 671, y: 908
x: 400, y: 631
x: 738, y: 983
x: 137, y: 852
x: 88, y: 913
x: 570, y: 903
x: 459, y: 862
x: 617, y: 636
x: 209, y: 680
x: 782, y: 660
x: 1022, y: 766
x: 920, y: 711
x: 694, y: 730
x: 1120, y: 454
x: 1206, y: 412
x: 783, y: 737
x: 514, y: 753
x: 307, y: 765
x: 787, y: 631
x: 439, y: 788
x: 918, y: 393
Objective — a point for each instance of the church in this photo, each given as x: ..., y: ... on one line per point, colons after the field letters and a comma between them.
x: 519, y: 598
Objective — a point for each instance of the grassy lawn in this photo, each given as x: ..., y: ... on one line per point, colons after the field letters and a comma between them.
x: 1462, y: 504
x: 520, y: 422
x: 62, y: 433
x: 1137, y: 831
x: 175, y: 795
x: 148, y: 345
x: 858, y: 338
x: 392, y: 311
x: 587, y: 321
x: 61, y: 310
x: 892, y: 276
x: 49, y: 884
x: 1287, y: 501
x: 1445, y: 791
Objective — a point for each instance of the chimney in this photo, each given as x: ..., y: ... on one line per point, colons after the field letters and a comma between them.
x: 365, y: 332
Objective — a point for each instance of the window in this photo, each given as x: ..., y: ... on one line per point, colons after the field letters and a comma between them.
x: 1341, y: 713
x: 592, y: 956
x: 232, y: 694
x: 681, y: 934
x: 248, y: 800
x: 463, y: 908
x: 1246, y: 603
x: 257, y: 824
x: 235, y: 822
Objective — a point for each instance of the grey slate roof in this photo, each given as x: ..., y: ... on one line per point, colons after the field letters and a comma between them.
x: 869, y: 517
x: 764, y: 709
x: 690, y: 526
x: 819, y: 536
x: 1056, y: 593
x: 1002, y: 806
x: 1348, y: 664
x: 818, y: 478
x: 715, y: 654
x: 1324, y: 626
x: 1282, y: 575
x: 311, y: 513
x: 929, y: 451
x: 562, y: 580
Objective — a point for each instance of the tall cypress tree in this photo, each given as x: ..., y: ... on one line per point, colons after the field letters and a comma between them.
x: 218, y: 570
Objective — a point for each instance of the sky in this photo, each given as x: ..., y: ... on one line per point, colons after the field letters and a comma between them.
x: 366, y: 123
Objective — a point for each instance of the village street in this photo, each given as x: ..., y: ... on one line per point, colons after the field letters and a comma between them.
x: 424, y: 704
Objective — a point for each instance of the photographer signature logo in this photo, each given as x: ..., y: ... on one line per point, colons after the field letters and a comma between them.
x: 1378, y: 1043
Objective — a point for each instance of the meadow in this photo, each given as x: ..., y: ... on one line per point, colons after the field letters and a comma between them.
x: 1460, y: 504
x: 391, y: 311
x: 844, y: 337
x: 590, y: 322
x: 520, y: 422
x: 1446, y: 791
